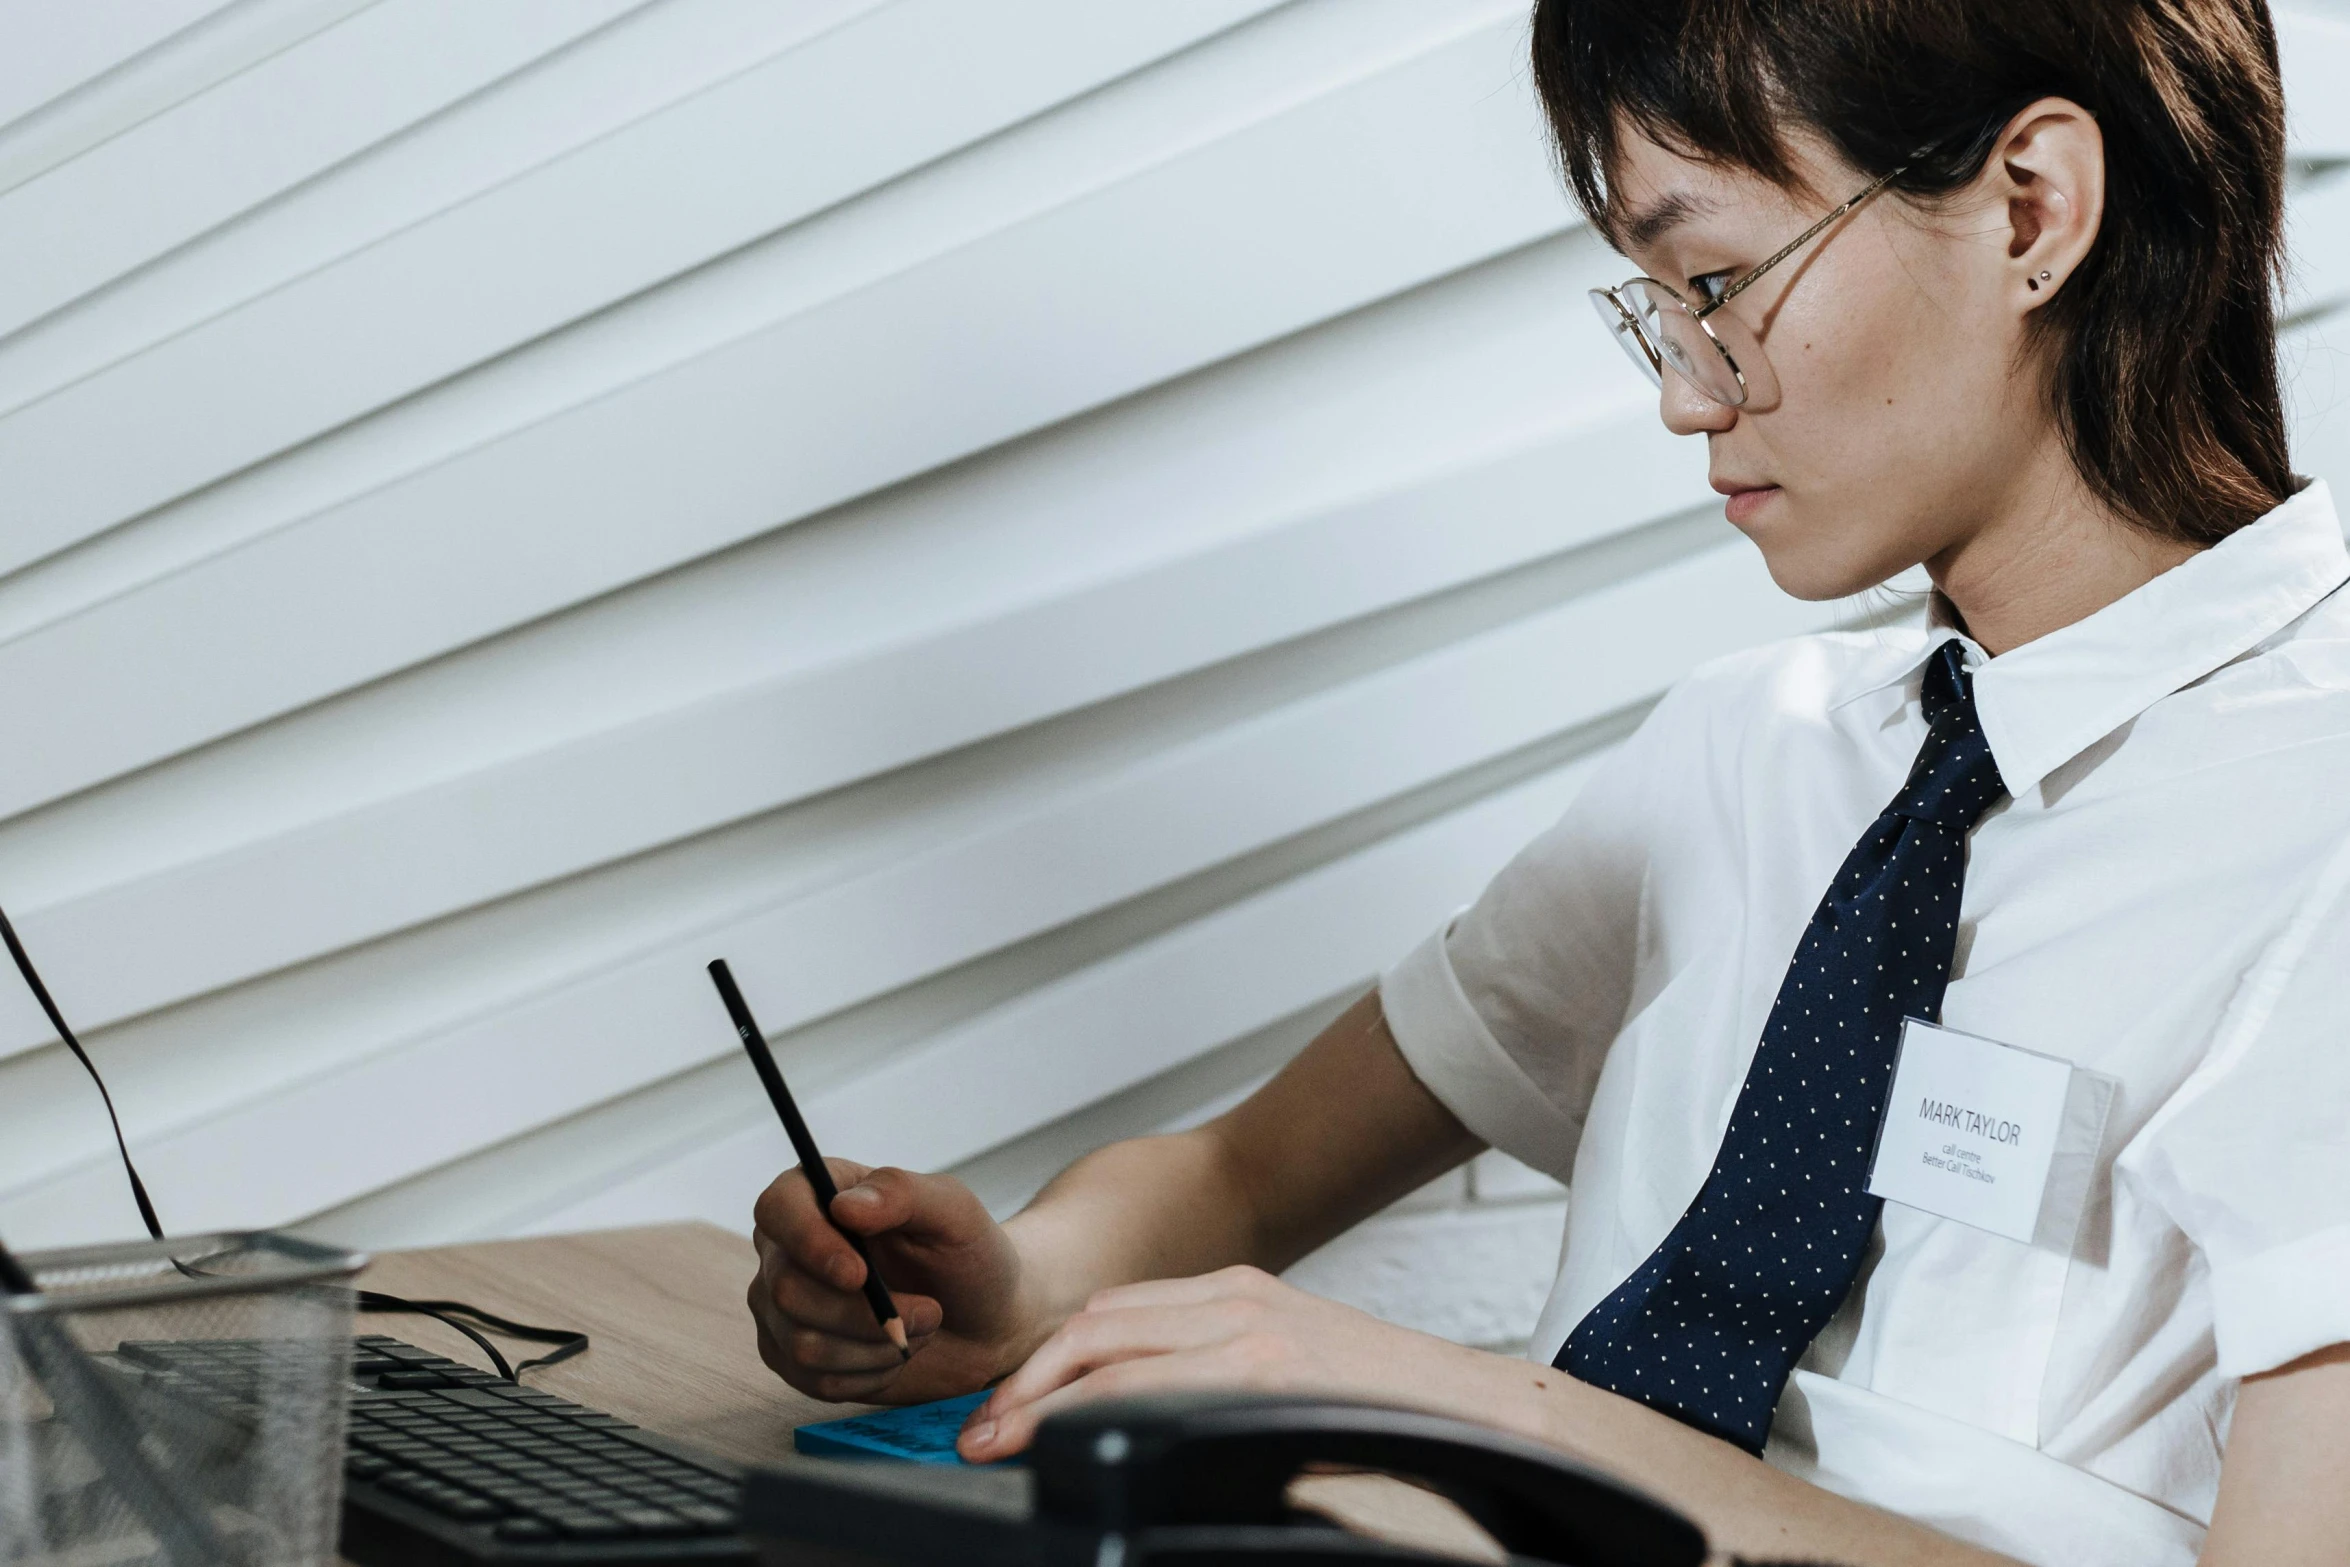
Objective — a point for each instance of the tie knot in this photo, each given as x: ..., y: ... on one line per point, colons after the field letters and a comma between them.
x: 1955, y: 779
x: 1949, y: 694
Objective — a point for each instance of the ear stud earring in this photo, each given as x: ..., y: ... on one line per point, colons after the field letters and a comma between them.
x: 2033, y: 283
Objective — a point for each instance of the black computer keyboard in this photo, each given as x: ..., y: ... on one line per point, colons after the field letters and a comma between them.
x: 448, y: 1465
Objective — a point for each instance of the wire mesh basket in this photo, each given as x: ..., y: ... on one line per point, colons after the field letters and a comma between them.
x: 176, y: 1402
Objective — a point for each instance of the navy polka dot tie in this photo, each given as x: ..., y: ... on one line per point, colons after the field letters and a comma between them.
x: 1710, y: 1325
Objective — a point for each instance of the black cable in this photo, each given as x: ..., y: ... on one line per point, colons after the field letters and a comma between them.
x: 568, y: 1341
x: 32, y: 978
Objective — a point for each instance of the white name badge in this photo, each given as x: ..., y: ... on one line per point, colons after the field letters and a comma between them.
x: 1973, y: 1129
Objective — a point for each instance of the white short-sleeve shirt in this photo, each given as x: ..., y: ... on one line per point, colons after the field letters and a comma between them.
x: 2165, y: 898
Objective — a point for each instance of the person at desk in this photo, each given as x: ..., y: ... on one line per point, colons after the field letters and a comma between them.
x: 1987, y: 288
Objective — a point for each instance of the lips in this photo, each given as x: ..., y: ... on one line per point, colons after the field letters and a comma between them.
x: 1744, y: 499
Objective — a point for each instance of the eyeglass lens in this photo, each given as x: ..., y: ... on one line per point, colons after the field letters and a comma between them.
x: 1615, y: 315
x: 1680, y: 340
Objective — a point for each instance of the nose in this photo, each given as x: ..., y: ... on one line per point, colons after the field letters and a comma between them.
x: 1688, y: 411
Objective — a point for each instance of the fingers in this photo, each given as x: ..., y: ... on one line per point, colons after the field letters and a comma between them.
x: 786, y: 1213
x: 825, y: 1341
x: 815, y: 1303
x: 1242, y: 1362
x: 1215, y: 1330
x: 929, y: 1213
x: 835, y: 1385
x: 921, y: 1214
x: 804, y: 1303
x: 1095, y: 1339
x: 1154, y: 1317
x: 932, y: 1239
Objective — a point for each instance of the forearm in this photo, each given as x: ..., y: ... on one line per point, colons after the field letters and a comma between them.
x: 1148, y: 1208
x: 1745, y: 1506
x: 1339, y: 1133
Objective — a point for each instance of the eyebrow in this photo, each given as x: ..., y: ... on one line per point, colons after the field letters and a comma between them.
x: 1646, y: 226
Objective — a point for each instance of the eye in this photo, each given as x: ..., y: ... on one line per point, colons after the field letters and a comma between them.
x: 1709, y: 287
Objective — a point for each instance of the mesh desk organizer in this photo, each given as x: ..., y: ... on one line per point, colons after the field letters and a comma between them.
x: 226, y: 1457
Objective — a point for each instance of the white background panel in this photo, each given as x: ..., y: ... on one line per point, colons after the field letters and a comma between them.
x: 56, y: 48
x: 1058, y: 538
x: 288, y: 118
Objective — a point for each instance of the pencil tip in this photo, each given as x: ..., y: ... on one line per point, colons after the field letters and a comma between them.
x: 895, y: 1327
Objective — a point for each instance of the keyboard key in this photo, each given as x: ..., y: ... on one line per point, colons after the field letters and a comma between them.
x: 406, y: 1380
x: 461, y: 1473
x: 526, y: 1531
x: 588, y: 1526
x: 477, y: 1397
x: 589, y: 1492
x: 651, y: 1520
x: 416, y: 1487
x: 707, y: 1518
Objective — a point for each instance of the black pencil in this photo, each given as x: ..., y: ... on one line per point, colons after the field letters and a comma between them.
x: 803, y: 1142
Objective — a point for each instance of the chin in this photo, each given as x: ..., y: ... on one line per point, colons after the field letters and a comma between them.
x: 1806, y: 566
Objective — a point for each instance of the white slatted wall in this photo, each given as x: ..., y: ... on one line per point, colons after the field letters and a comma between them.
x: 1060, y: 536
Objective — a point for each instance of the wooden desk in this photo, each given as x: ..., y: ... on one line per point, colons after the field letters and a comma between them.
x: 671, y: 1341
x: 673, y: 1350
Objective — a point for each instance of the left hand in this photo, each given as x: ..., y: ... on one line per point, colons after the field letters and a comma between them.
x: 1240, y: 1328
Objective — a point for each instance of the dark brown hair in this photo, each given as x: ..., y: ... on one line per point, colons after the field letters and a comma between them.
x: 2163, y: 343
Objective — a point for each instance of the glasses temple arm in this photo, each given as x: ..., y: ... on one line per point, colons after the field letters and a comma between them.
x: 1797, y: 243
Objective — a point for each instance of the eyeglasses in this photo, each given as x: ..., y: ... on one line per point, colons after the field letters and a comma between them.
x: 1656, y: 327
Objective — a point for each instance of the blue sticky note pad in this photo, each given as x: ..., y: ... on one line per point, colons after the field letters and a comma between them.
x: 917, y: 1433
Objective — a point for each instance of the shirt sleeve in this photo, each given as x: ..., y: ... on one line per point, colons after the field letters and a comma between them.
x: 2251, y: 1158
x: 1507, y: 1013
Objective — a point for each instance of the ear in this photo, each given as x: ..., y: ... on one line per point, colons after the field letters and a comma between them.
x: 2049, y: 165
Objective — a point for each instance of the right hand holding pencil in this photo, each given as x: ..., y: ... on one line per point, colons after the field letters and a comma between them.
x: 952, y: 1269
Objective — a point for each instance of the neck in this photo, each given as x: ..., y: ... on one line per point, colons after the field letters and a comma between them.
x: 2051, y: 553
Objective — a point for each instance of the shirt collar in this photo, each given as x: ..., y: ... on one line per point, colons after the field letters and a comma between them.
x: 2044, y: 703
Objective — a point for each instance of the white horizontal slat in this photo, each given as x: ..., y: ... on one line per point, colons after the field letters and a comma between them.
x: 2315, y: 358
x: 48, y: 49
x: 893, y: 378
x: 2317, y: 231
x: 606, y: 209
x: 2314, y: 51
x: 918, y: 914
x: 1451, y: 377
x: 835, y: 720
x: 649, y: 59
x: 205, y: 161
x: 1161, y: 1003
x: 601, y: 224
x: 1446, y: 379
x: 189, y: 62
x: 646, y: 59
